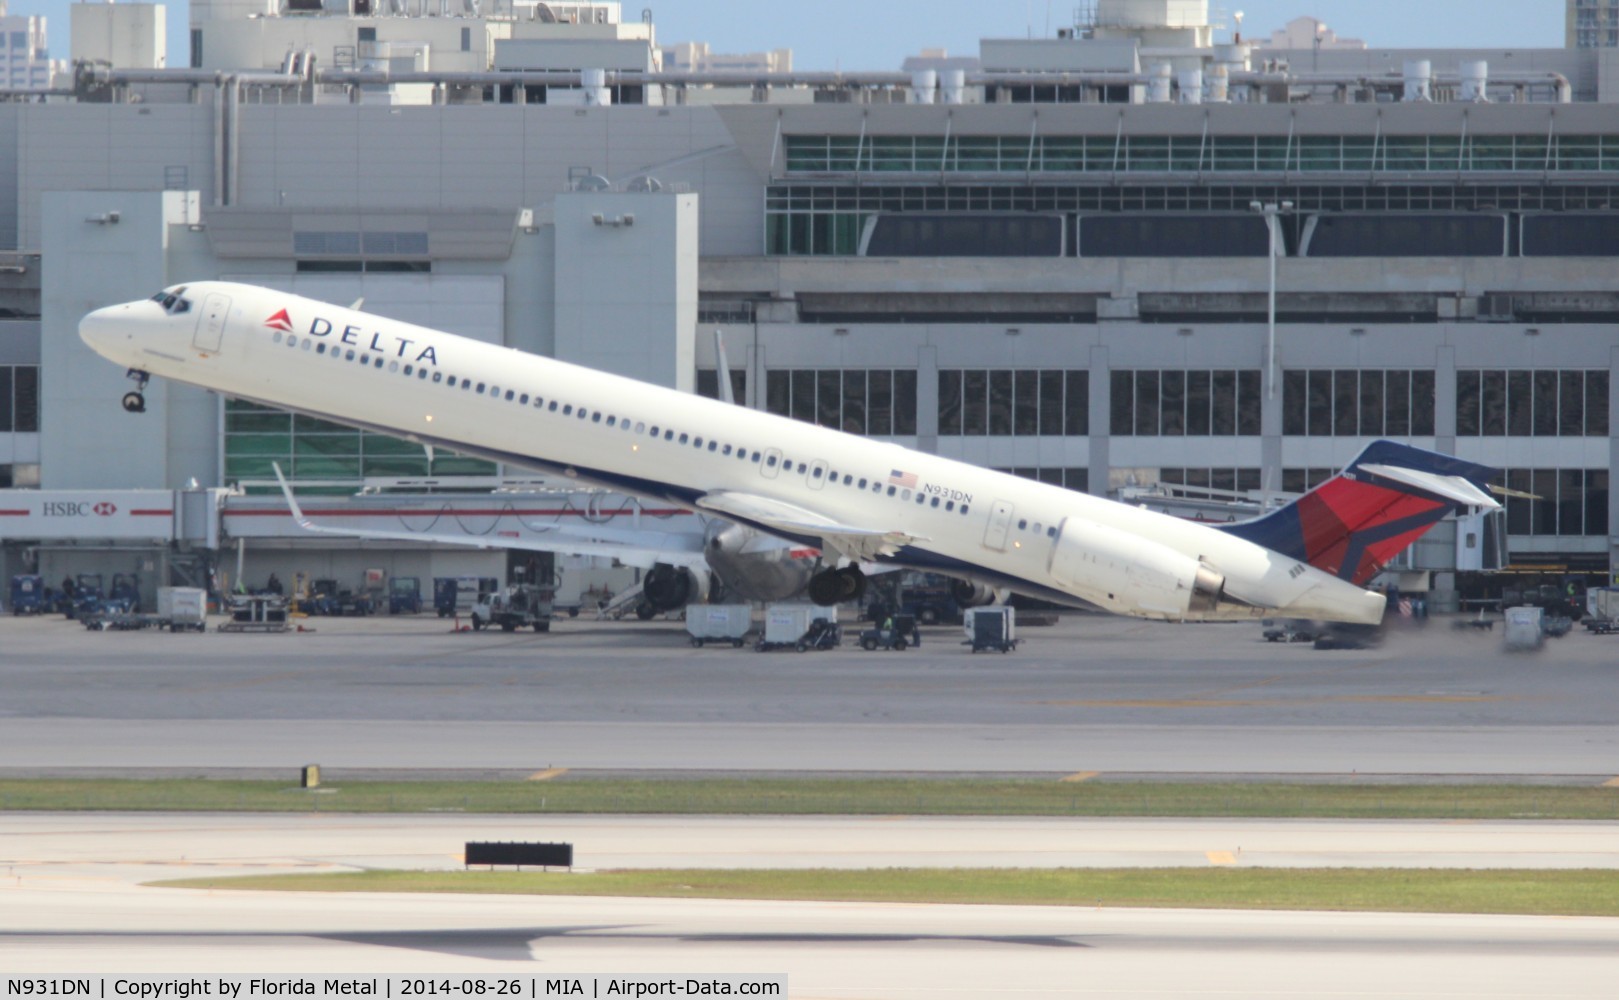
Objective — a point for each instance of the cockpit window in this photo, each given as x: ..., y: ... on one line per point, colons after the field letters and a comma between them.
x: 173, y: 301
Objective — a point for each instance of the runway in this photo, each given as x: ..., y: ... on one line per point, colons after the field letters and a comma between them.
x: 69, y: 902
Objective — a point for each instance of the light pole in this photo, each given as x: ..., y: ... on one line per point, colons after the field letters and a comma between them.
x: 1271, y: 211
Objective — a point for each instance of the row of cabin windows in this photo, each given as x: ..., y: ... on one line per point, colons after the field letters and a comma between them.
x: 815, y: 471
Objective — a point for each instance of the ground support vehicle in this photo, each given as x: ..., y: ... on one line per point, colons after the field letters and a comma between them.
x: 898, y: 633
x: 992, y: 627
x: 788, y: 624
x: 404, y: 595
x: 27, y: 595
x: 455, y: 595
x: 730, y: 623
x: 822, y: 634
x: 519, y: 606
x: 1523, y: 631
x: 256, y: 613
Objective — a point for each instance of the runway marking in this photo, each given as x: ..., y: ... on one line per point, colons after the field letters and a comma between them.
x: 1611, y: 783
x: 1220, y: 857
x: 1079, y: 776
x: 1369, y: 699
x: 547, y: 774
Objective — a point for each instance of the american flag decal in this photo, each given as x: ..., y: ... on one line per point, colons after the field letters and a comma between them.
x: 905, y: 480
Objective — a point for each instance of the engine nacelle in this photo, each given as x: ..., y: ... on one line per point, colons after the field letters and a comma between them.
x: 971, y: 593
x: 754, y: 568
x: 1132, y: 575
x: 667, y: 588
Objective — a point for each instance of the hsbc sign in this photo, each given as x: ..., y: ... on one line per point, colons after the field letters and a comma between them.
x: 66, y: 515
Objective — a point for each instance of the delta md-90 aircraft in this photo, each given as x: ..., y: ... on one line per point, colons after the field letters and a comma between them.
x: 854, y: 499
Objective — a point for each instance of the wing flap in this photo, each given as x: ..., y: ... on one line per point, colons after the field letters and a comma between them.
x: 847, y: 540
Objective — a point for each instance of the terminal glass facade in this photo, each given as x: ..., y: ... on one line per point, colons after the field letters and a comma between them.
x: 257, y: 437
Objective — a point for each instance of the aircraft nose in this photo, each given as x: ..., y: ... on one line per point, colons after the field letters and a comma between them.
x: 102, y: 329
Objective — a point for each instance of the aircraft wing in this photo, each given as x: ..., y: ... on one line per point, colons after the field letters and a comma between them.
x: 633, y: 548
x: 850, y: 541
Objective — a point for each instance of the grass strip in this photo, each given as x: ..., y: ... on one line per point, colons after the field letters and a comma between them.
x: 1530, y: 892
x: 815, y: 796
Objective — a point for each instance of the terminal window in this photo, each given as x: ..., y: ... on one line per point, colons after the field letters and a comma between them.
x: 977, y: 402
x: 1358, y: 403
x: 1221, y: 403
x: 1538, y: 403
x: 19, y: 399
x: 879, y: 402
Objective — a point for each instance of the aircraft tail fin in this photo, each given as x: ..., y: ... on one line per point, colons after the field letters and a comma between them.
x: 1355, y: 523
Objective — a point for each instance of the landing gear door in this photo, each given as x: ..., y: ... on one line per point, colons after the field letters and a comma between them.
x: 1000, y: 525
x: 211, y: 323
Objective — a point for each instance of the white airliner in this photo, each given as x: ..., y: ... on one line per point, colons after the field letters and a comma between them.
x: 853, y: 498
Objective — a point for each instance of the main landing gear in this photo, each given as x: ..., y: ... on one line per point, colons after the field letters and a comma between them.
x: 135, y: 401
x: 834, y: 586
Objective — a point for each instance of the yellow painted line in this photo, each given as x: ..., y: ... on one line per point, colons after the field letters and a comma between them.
x: 548, y: 774
x: 1611, y: 783
x: 1079, y: 776
x: 1221, y: 857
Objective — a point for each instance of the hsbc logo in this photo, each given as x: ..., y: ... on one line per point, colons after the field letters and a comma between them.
x: 60, y: 508
x: 280, y: 321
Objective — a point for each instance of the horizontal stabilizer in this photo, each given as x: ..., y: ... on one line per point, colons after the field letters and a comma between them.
x: 1450, y: 487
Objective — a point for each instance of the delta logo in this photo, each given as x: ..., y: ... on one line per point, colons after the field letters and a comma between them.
x: 280, y: 321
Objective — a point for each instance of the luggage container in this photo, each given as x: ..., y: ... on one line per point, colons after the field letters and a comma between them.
x: 719, y: 623
x: 1523, y: 632
x: 992, y: 627
x: 181, y: 609
x: 786, y: 624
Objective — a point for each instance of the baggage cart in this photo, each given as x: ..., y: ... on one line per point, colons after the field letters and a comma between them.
x: 787, y: 624
x: 992, y: 627
x: 1523, y: 632
x: 182, y: 609
x: 730, y: 623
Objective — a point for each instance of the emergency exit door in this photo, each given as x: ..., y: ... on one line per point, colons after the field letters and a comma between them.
x: 211, y: 323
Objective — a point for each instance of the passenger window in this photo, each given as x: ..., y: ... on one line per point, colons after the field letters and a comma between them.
x: 684, y: 437
x: 1023, y: 525
x: 1037, y: 527
x: 670, y: 436
x: 596, y: 417
x: 640, y: 427
x: 276, y: 337
x: 437, y: 376
x: 847, y: 480
x: 1051, y: 532
x: 451, y: 383
x: 583, y: 413
x: 935, y: 502
x: 756, y: 457
x: 304, y: 343
x: 654, y: 430
x: 892, y: 490
x: 727, y: 450
x: 697, y: 442
x: 393, y: 366
x: 377, y: 363
x: 512, y: 395
x: 411, y: 370
x: 348, y: 355
x: 465, y: 385
x: 862, y: 484
x: 819, y: 472
x: 801, y: 468
x: 421, y: 373
x: 905, y: 495
x: 320, y: 348
x: 567, y: 411
x: 949, y: 505
x: 481, y: 387
x: 553, y: 406
x: 521, y: 400
x: 612, y: 421
x: 714, y: 446
x: 771, y: 461
x: 964, y: 510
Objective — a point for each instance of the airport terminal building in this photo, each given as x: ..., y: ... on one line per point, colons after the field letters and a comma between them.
x: 1059, y: 262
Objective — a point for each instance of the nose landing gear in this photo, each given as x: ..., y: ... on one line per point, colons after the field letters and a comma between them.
x: 135, y: 401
